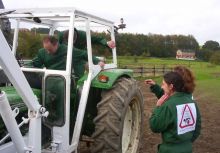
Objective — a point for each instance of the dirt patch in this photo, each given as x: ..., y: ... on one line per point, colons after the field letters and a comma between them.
x: 209, y: 140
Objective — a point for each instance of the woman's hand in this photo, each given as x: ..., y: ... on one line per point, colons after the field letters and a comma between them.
x: 150, y: 82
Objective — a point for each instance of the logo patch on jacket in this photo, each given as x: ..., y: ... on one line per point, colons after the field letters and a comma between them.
x: 186, y: 118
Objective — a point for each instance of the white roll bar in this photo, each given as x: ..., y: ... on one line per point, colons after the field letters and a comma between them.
x: 16, y: 76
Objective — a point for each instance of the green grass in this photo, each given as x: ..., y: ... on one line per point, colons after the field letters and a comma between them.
x: 209, y: 88
x: 207, y: 75
x: 152, y: 61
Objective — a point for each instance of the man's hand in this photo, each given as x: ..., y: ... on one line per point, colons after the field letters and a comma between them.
x: 111, y: 44
x: 150, y: 82
x: 101, y: 64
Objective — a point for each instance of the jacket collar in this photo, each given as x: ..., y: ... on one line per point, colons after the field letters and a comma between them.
x: 179, y: 94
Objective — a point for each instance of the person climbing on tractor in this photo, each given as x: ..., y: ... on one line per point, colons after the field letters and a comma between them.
x: 53, y: 56
x: 79, y: 42
x: 80, y: 39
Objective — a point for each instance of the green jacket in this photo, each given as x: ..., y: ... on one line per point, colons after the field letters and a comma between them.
x: 165, y: 120
x: 157, y: 90
x: 81, y: 40
x: 57, y: 61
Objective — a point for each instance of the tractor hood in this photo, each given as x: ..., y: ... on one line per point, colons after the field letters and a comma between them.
x: 14, y: 98
x: 15, y: 101
x: 112, y: 74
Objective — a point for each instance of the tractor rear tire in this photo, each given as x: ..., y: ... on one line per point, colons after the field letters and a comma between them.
x: 118, y: 124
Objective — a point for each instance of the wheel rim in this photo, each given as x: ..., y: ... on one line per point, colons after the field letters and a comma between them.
x: 131, y: 128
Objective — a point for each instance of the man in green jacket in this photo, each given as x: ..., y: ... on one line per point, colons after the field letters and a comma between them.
x: 80, y: 39
x: 176, y: 117
x: 53, y: 56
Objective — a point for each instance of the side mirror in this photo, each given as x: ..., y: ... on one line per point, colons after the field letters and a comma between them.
x: 120, y: 26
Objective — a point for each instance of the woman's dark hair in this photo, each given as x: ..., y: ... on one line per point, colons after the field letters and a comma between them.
x: 188, y: 78
x: 175, y: 79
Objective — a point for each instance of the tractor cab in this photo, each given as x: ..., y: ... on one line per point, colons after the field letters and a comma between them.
x: 55, y: 107
x: 56, y: 89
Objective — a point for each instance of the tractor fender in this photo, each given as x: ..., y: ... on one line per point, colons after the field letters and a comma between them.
x: 112, y: 74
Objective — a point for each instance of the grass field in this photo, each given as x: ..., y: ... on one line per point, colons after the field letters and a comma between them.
x: 207, y: 75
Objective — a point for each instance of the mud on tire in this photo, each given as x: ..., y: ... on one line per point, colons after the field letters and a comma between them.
x: 118, y: 124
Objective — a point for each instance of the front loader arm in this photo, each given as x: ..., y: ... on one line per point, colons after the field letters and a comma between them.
x: 11, y: 68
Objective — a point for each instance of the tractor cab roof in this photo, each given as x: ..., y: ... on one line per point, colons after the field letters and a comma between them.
x: 49, y: 16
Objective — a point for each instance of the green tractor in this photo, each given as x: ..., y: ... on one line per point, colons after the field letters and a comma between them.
x: 105, y: 104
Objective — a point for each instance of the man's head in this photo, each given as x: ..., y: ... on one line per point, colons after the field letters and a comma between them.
x: 50, y: 43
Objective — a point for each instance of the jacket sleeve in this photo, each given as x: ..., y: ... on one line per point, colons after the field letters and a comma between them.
x: 198, y: 125
x: 94, y: 39
x: 160, y: 119
x: 99, y: 40
x: 157, y: 90
x: 38, y: 60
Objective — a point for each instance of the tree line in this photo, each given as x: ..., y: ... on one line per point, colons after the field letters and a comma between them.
x: 150, y: 45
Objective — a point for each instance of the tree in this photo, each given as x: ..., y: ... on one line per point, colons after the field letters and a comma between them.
x: 204, y: 54
x: 29, y: 43
x: 211, y: 45
x: 127, y: 44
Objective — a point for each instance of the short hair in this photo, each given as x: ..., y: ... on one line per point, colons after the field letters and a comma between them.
x: 188, y: 78
x: 53, y: 40
x: 175, y: 79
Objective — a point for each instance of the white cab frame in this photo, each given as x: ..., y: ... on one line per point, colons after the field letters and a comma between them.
x: 53, y: 18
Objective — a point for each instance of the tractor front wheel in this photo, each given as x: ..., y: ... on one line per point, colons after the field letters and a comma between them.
x: 118, y: 124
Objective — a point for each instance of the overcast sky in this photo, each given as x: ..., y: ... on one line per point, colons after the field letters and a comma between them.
x: 200, y: 18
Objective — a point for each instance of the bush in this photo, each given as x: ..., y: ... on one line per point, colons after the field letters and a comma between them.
x: 29, y: 43
x: 215, y: 58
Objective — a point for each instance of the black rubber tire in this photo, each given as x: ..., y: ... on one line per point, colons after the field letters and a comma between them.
x: 112, y: 110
